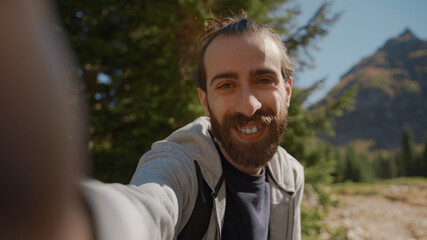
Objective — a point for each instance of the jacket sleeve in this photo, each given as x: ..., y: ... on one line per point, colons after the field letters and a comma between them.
x: 155, y: 205
x: 299, y: 182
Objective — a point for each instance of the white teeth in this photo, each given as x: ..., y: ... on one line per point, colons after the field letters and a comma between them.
x: 249, y: 131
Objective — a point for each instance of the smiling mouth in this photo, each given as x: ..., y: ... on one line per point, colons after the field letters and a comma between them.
x: 250, y: 130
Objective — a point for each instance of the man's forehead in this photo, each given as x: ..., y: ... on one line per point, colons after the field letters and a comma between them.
x: 260, y: 39
x: 227, y: 51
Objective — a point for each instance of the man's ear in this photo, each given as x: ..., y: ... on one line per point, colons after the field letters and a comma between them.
x: 288, y: 88
x: 204, y: 101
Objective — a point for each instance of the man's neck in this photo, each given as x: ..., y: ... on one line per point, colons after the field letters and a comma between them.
x: 248, y: 170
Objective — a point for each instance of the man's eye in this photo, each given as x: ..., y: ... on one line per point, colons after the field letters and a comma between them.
x: 225, y: 85
x: 265, y: 81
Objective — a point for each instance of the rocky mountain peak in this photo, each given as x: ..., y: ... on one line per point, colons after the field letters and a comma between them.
x: 407, y: 34
x: 392, y: 87
x: 407, y: 38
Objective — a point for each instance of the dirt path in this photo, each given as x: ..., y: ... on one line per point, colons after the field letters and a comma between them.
x: 400, y: 212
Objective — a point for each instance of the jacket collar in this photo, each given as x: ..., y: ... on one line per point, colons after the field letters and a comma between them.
x: 196, y: 137
x: 280, y: 170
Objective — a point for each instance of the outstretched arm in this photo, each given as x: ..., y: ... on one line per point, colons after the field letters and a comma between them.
x: 43, y: 148
x: 39, y: 163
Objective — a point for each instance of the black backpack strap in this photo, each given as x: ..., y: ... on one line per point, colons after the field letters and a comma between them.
x: 198, y: 223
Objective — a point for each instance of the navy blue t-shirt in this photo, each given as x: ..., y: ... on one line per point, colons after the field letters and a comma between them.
x: 247, y: 211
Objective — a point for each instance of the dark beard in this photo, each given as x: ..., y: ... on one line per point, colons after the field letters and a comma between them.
x: 253, y: 154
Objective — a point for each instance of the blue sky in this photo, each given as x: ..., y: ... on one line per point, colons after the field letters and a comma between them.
x: 364, y: 27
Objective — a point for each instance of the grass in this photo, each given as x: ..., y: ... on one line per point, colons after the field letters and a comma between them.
x: 375, y: 188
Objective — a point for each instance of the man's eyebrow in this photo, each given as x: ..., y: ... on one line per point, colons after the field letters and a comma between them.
x: 259, y: 72
x: 224, y: 75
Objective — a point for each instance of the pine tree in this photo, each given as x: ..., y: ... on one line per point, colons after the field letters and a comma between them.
x: 408, y: 153
x: 385, y: 167
x: 424, y: 159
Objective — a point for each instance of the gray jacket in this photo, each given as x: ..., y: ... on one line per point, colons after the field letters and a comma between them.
x: 164, y: 189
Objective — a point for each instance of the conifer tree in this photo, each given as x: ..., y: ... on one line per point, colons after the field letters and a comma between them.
x: 408, y: 158
x: 385, y: 167
x: 424, y: 159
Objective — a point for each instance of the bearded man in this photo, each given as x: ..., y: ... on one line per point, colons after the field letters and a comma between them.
x: 244, y: 85
x: 223, y: 176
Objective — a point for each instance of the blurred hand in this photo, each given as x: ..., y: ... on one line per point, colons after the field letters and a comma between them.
x: 42, y: 148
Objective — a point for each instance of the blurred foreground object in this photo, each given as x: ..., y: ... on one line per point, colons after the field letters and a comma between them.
x: 42, y: 150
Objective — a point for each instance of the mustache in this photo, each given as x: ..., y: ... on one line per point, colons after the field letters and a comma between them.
x: 238, y: 119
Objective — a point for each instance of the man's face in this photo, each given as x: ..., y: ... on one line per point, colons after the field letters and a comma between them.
x: 246, y: 96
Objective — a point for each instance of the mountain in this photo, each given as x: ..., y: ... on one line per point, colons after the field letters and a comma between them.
x: 392, y: 93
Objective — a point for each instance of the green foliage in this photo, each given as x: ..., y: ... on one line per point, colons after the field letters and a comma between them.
x: 311, y: 228
x: 129, y: 54
x: 354, y: 166
x: 317, y: 26
x: 324, y: 112
x: 410, y: 162
x: 303, y: 125
x: 408, y: 153
x: 363, y: 167
x: 319, y: 158
x: 385, y: 167
x: 424, y: 159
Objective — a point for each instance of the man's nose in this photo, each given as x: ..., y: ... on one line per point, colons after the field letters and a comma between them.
x: 247, y: 103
